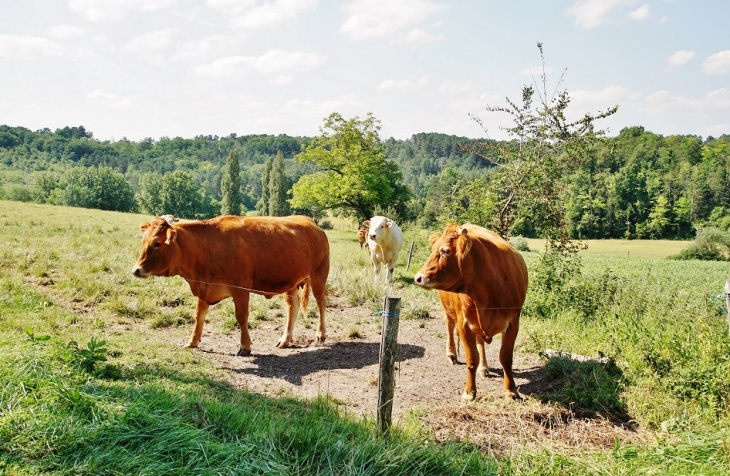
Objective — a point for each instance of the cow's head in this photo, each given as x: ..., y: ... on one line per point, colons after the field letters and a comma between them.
x: 443, y: 268
x: 379, y: 226
x: 159, y: 250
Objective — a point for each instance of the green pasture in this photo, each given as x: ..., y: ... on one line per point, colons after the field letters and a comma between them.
x: 88, y: 385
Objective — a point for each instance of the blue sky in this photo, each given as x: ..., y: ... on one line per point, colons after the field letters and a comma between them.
x: 153, y: 68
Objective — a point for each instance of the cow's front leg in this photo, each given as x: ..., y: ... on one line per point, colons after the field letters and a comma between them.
x: 450, y: 341
x: 201, y: 310
x: 483, y: 368
x: 241, y: 301
x: 292, y: 305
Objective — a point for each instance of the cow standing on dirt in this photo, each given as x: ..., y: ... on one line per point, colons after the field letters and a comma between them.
x: 233, y: 256
x: 384, y: 240
x: 490, y: 279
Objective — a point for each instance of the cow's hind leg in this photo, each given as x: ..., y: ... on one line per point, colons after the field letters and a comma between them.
x: 505, y: 358
x: 241, y: 301
x: 201, y: 310
x: 292, y: 304
x: 319, y: 291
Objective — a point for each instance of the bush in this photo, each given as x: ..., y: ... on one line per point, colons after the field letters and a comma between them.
x: 520, y: 243
x: 711, y: 244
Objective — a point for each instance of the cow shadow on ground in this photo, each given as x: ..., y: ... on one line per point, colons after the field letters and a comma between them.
x: 341, y: 355
x: 586, y: 390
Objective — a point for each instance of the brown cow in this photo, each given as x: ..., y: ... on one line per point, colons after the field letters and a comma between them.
x: 232, y: 256
x: 490, y: 277
x: 454, y: 316
x: 362, y: 234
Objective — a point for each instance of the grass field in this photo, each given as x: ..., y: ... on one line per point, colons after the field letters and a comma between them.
x: 88, y: 387
x: 623, y: 248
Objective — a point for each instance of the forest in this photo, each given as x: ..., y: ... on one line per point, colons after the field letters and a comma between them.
x: 635, y: 185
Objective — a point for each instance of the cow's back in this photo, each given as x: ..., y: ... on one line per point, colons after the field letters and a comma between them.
x: 497, y: 269
x: 267, y: 252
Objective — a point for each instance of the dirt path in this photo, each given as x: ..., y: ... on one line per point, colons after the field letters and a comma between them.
x: 346, y: 369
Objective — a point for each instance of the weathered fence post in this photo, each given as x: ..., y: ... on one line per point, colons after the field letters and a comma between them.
x: 727, y: 302
x: 388, y: 350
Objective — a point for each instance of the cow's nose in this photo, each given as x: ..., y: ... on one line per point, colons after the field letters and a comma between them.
x: 372, y: 237
x: 137, y: 271
x: 418, y: 278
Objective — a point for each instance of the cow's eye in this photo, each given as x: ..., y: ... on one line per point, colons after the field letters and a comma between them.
x: 155, y: 244
x: 444, y: 252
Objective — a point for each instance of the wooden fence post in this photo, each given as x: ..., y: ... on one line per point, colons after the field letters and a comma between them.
x: 388, y: 350
x: 727, y: 302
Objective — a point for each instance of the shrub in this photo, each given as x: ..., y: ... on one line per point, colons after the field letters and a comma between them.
x: 520, y: 243
x: 711, y: 244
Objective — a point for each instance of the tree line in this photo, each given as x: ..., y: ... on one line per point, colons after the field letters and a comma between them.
x: 637, y: 184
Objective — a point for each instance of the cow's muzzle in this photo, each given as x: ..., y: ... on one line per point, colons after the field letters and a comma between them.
x: 421, y: 280
x: 139, y: 272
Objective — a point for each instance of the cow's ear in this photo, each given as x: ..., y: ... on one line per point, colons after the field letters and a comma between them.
x: 144, y: 226
x: 463, y: 242
x: 171, y: 235
x: 432, y: 239
x: 366, y: 223
x: 388, y: 222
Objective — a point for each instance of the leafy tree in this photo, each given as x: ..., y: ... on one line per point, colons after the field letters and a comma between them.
x: 174, y: 193
x: 545, y: 147
x: 354, y: 177
x: 278, y: 187
x: 262, y: 206
x: 231, y: 186
x: 95, y: 187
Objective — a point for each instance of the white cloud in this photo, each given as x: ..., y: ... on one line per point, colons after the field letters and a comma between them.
x: 641, y: 13
x: 254, y: 14
x: 458, y: 87
x: 114, y: 10
x: 28, y: 47
x: 111, y: 99
x: 367, y: 19
x: 591, y: 13
x: 273, y: 61
x: 719, y: 63
x: 282, y: 80
x: 65, y: 32
x: 679, y: 58
x: 589, y: 101
x: 153, y: 41
x: 403, y: 84
x: 418, y: 35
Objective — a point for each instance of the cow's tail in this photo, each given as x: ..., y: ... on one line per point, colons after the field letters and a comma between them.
x: 304, y: 297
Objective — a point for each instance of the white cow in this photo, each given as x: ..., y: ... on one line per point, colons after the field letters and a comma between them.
x: 384, y: 242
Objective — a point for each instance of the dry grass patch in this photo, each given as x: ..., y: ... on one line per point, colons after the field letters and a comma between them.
x: 506, y: 428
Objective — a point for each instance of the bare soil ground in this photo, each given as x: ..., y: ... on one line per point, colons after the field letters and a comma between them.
x: 346, y: 369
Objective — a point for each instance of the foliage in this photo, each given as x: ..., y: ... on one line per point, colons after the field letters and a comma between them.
x: 262, y: 206
x: 173, y: 193
x: 711, y: 244
x: 231, y: 186
x: 546, y: 146
x: 354, y: 175
x: 278, y: 186
x: 87, y: 358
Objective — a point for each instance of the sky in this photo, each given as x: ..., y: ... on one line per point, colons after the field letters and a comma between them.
x: 154, y: 68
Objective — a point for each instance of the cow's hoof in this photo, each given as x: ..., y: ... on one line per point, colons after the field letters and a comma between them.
x: 190, y: 345
x: 469, y: 396
x: 243, y: 352
x: 320, y: 339
x: 483, y: 371
x: 453, y: 360
x: 282, y: 344
x: 512, y: 395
